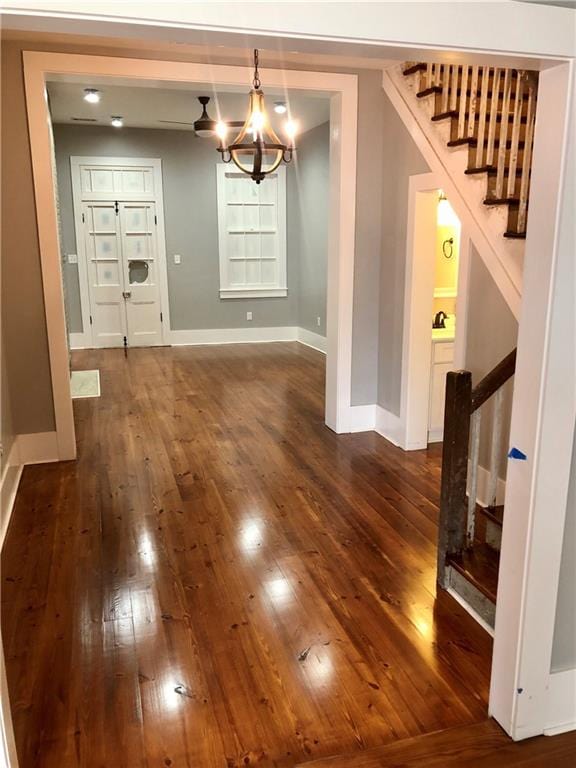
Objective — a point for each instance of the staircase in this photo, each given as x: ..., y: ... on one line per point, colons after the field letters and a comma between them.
x: 491, y: 112
x: 469, y: 535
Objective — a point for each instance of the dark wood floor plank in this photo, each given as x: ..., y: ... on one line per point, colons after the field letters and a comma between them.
x: 219, y: 580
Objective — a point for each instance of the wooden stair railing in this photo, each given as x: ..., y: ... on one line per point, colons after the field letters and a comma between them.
x: 462, y: 424
x: 493, y: 112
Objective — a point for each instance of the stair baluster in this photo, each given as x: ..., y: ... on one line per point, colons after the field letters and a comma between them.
x: 492, y: 110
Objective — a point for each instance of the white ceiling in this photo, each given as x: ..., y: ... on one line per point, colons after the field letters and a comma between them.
x: 176, y: 108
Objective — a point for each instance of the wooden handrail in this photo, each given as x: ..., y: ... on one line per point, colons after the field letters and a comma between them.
x: 497, y: 377
x: 461, y: 427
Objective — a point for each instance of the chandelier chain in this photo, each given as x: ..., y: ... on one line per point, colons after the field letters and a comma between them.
x: 256, y: 81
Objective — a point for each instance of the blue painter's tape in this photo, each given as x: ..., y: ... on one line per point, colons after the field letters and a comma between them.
x: 515, y: 453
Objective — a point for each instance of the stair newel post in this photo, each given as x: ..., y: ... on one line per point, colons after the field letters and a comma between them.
x: 452, y: 522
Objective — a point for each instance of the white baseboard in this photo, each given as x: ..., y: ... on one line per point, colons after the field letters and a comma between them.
x: 389, y: 426
x: 561, y: 703
x: 311, y: 339
x: 35, y: 448
x: 11, y: 473
x: 483, y: 486
x: 233, y: 335
x: 79, y: 341
x: 38, y: 448
x: 366, y: 418
x: 362, y: 418
x: 436, y: 435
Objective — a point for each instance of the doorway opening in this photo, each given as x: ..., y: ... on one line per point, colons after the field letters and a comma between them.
x: 435, y: 316
x: 341, y: 93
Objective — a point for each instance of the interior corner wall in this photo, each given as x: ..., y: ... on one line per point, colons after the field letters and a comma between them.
x: 564, y: 644
x: 401, y: 159
x: 308, y: 209
x: 489, y: 318
x: 191, y: 223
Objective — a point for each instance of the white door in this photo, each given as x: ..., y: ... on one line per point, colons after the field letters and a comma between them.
x: 118, y: 204
x: 121, y: 250
x: 103, y: 249
x: 141, y: 284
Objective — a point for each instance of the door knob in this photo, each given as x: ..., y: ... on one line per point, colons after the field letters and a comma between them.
x: 126, y: 294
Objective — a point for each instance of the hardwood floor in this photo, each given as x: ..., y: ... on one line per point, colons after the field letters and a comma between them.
x: 219, y: 580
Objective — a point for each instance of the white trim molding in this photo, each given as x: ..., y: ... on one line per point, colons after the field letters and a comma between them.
x: 561, y: 702
x: 253, y: 293
x: 343, y: 91
x: 11, y: 474
x: 311, y: 339
x: 38, y: 448
x: 248, y: 336
x: 233, y: 335
x: 389, y: 426
x: 35, y: 448
x: 362, y: 418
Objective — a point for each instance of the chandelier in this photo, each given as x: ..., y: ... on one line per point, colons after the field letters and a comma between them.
x: 257, y: 150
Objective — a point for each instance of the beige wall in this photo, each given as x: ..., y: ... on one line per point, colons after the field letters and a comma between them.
x: 24, y: 327
x: 26, y: 342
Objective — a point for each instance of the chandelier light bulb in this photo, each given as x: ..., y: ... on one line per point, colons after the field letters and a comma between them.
x: 221, y: 131
x: 291, y: 129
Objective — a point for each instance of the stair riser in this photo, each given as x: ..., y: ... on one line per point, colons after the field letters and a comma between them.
x: 493, y: 535
x: 484, y: 607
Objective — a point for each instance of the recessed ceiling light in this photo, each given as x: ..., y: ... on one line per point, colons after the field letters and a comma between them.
x: 91, y: 95
x: 280, y: 107
x: 116, y: 121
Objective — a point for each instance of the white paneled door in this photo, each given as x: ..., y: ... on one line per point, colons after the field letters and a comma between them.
x: 121, y: 253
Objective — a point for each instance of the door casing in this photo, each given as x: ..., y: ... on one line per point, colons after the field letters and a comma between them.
x: 85, y: 339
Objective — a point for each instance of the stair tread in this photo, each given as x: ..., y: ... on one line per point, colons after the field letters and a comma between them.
x: 501, y: 201
x: 515, y: 235
x: 479, y: 565
x: 482, y: 745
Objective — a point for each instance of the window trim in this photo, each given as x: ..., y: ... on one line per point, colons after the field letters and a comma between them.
x: 255, y: 291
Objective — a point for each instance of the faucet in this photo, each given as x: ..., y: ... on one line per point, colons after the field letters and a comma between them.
x: 439, y: 319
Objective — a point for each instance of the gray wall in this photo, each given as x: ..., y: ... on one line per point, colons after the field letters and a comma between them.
x: 564, y: 648
x: 401, y: 158
x: 190, y: 210
x: 308, y: 204
x: 190, y: 213
x: 492, y: 333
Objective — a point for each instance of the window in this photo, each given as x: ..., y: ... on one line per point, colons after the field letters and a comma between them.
x: 251, y: 234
